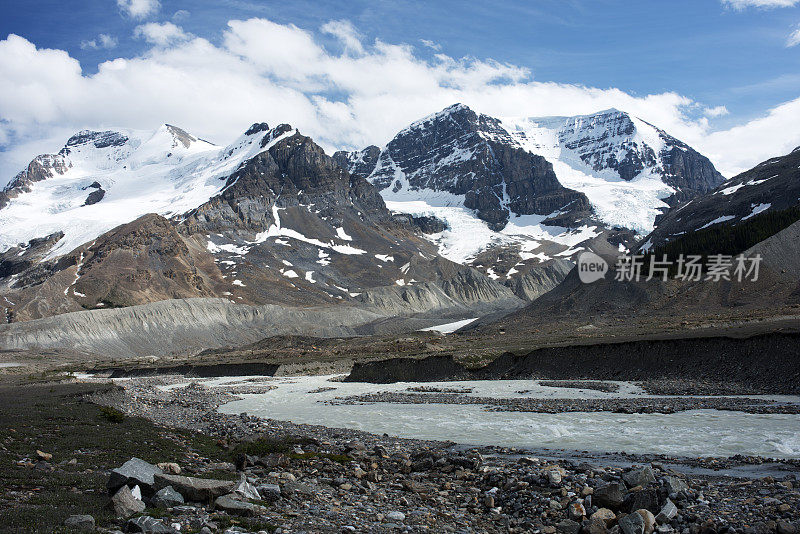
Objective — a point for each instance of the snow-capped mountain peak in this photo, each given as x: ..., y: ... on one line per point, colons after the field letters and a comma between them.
x: 528, y: 180
x: 101, y: 179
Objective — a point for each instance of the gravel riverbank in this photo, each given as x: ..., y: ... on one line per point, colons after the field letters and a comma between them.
x: 318, y: 479
x: 624, y: 405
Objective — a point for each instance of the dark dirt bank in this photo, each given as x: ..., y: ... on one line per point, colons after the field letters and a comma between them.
x: 768, y: 363
x: 199, y: 371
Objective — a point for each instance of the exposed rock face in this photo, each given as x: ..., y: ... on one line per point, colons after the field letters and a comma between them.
x: 292, y: 172
x: 289, y: 227
x: 41, y: 168
x: 461, y: 152
x: 770, y: 186
x: 143, y: 261
x: 502, y: 171
x: 539, y: 280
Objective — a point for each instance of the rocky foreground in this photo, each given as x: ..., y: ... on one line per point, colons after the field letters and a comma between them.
x: 281, y: 477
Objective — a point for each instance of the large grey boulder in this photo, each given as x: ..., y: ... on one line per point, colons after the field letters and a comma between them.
x: 149, y: 525
x: 233, y: 504
x: 246, y: 490
x: 639, y: 477
x: 269, y: 492
x: 675, y: 485
x: 80, y: 522
x: 647, y: 499
x: 133, y: 472
x: 125, y: 503
x: 568, y: 526
x: 610, y: 496
x: 167, y: 498
x: 195, y: 489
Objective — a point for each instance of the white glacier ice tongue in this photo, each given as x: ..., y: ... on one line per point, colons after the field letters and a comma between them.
x: 633, y: 203
x: 168, y: 172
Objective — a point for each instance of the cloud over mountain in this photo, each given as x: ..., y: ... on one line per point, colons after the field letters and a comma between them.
x: 346, y: 94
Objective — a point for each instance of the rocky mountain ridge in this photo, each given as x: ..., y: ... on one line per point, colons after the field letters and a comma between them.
x: 769, y: 187
x: 528, y: 192
x: 288, y: 226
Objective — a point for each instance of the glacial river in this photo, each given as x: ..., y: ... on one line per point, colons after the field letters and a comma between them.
x: 689, y: 433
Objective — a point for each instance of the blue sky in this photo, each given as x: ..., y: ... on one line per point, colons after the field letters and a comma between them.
x: 708, y: 51
x: 732, y: 57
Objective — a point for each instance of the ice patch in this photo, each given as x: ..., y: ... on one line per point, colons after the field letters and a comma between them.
x: 448, y: 328
x: 342, y: 234
x: 718, y: 220
x: 756, y: 210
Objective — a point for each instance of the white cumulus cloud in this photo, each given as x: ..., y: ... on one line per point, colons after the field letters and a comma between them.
x: 139, y: 9
x: 794, y: 38
x: 348, y: 95
x: 716, y: 111
x: 766, y: 4
x: 160, y: 34
x: 103, y: 41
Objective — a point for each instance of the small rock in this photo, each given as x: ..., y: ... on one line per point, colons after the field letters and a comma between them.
x: 784, y: 527
x: 46, y: 456
x: 568, y: 526
x: 396, y: 516
x: 604, y: 514
x: 554, y: 477
x: 291, y: 488
x: 167, y: 498
x: 649, y: 520
x: 80, y: 522
x: 354, y: 445
x: 668, y: 512
x: 632, y: 524
x: 576, y: 511
x: 43, y: 466
x: 170, y: 468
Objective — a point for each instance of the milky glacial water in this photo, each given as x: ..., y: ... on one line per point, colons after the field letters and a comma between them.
x: 689, y: 433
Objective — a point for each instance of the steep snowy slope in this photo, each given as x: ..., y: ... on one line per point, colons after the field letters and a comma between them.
x: 100, y: 180
x: 769, y: 187
x: 545, y: 188
x: 468, y: 171
x: 631, y: 171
